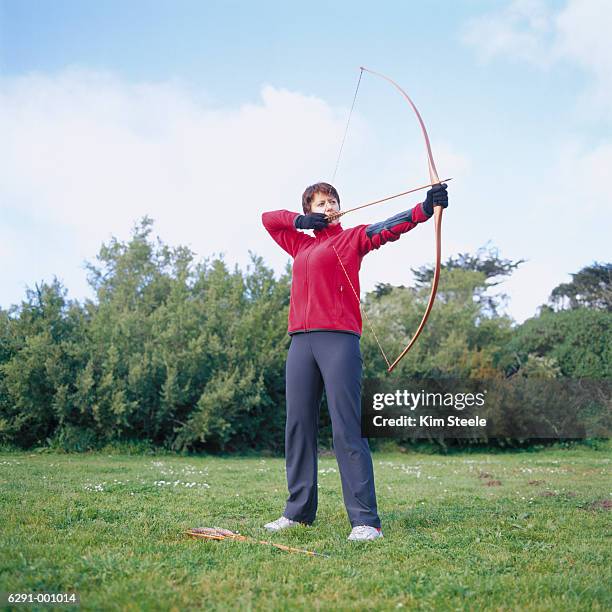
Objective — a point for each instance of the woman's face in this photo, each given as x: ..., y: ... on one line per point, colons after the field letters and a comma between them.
x: 326, y: 204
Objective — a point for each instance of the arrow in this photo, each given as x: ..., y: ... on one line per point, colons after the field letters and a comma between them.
x: 337, y: 215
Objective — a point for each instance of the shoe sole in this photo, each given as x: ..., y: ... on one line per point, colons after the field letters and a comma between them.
x: 272, y: 530
x: 365, y: 539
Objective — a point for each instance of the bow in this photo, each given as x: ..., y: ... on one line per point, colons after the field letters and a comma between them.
x: 217, y: 533
x: 434, y: 180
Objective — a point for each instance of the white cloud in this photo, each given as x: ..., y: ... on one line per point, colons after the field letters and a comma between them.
x: 584, y: 38
x: 582, y: 176
x: 533, y: 31
x: 569, y: 205
x: 521, y: 30
x: 85, y: 155
x: 84, y: 148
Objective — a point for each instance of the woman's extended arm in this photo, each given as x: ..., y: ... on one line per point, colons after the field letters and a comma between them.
x: 375, y: 235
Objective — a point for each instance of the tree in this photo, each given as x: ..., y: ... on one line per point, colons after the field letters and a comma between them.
x: 44, y: 349
x: 578, y: 342
x: 591, y: 287
x: 461, y: 337
x: 486, y: 261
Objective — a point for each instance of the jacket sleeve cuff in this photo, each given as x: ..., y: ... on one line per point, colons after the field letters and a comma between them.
x: 420, y: 214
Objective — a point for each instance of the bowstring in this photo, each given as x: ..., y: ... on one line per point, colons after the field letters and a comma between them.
x: 363, y: 309
x: 382, y: 352
x: 347, y: 127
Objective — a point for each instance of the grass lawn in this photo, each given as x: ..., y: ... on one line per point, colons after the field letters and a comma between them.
x: 524, y: 530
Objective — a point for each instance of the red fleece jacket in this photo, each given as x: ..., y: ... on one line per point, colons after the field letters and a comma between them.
x: 321, y: 297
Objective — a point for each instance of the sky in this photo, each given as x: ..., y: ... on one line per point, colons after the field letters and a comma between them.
x: 203, y: 115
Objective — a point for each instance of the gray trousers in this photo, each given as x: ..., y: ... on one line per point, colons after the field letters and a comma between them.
x: 330, y: 360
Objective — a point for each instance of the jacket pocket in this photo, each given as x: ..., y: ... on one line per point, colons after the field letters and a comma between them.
x: 341, y: 294
x: 341, y: 286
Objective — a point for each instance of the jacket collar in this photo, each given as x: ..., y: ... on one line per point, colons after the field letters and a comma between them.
x: 328, y: 232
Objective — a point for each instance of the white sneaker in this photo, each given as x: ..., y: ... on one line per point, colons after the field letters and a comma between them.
x: 361, y: 533
x: 280, y: 523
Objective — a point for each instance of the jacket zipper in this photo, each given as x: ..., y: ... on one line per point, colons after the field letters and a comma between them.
x: 307, y: 294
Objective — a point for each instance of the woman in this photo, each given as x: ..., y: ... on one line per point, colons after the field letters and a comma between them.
x: 325, y: 328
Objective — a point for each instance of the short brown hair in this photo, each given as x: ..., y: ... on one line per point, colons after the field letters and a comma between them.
x: 310, y: 192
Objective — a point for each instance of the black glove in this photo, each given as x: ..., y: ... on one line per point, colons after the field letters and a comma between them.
x: 436, y: 196
x: 315, y: 221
